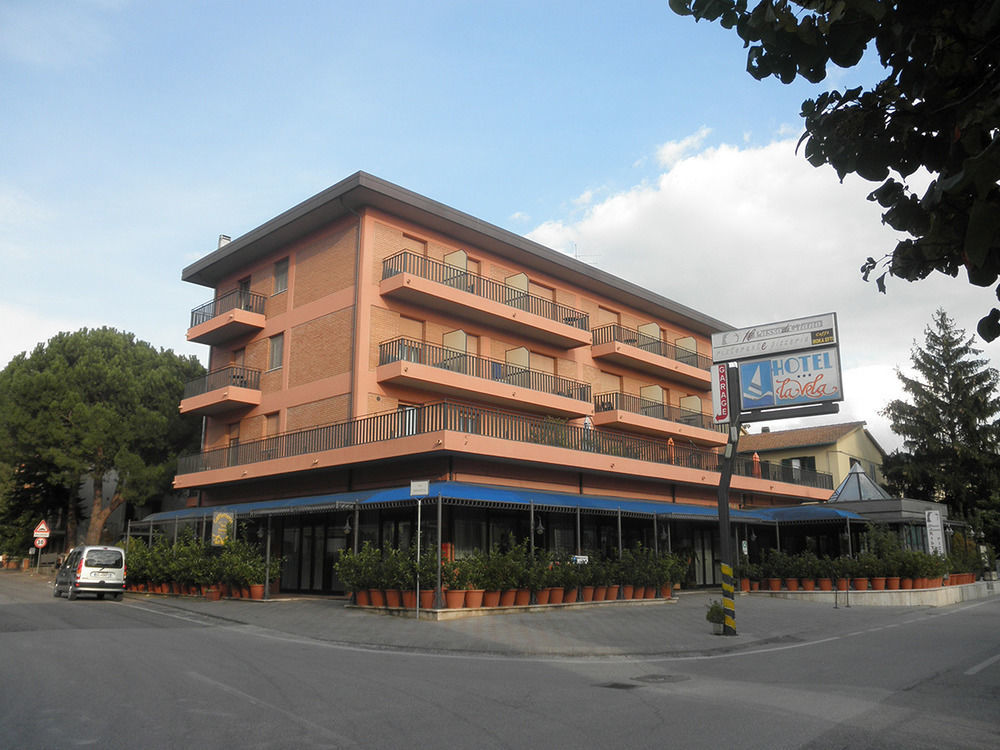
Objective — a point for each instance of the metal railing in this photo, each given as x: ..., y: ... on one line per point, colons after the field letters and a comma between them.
x: 242, y: 377
x: 237, y: 299
x: 442, y: 273
x: 630, y: 336
x: 408, y: 350
x: 494, y: 423
x: 614, y: 400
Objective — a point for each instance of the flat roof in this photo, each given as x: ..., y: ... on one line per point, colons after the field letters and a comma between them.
x: 362, y: 190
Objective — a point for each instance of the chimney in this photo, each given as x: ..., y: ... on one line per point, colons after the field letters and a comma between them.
x: 224, y: 239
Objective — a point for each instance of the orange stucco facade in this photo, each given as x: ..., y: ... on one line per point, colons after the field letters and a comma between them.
x: 376, y: 303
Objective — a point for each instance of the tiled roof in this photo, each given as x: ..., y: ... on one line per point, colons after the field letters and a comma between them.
x: 800, y: 438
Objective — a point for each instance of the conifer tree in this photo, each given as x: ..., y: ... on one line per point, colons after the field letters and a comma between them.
x: 950, y: 427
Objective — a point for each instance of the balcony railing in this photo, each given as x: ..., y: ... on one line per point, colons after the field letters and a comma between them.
x: 497, y: 291
x: 615, y: 332
x: 237, y: 299
x: 444, y: 415
x: 408, y: 350
x: 241, y: 377
x: 647, y: 407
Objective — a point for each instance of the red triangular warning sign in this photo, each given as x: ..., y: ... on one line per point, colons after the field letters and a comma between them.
x: 42, y: 528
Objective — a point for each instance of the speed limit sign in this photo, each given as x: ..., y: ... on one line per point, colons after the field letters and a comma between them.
x: 40, y: 541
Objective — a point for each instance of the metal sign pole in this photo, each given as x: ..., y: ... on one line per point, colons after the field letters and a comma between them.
x: 418, y: 560
x: 725, y: 548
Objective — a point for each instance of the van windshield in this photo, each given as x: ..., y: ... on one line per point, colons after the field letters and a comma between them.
x: 103, y: 558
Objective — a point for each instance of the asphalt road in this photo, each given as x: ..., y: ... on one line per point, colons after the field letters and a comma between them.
x: 147, y: 673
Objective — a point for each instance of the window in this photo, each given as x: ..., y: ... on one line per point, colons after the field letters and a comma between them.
x: 276, y: 351
x: 407, y: 419
x: 280, y: 276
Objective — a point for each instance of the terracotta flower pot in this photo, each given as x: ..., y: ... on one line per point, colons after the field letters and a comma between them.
x: 792, y: 584
x: 212, y: 595
x: 556, y: 595
x: 774, y: 584
x: 808, y: 584
x: 474, y: 598
x: 454, y: 598
x: 744, y: 585
x: 825, y: 584
x: 878, y: 583
x: 638, y: 592
x: 377, y: 597
x: 599, y: 593
x: 408, y: 598
x: 843, y: 584
x: 755, y: 585
x: 569, y: 595
x: 628, y: 590
x: 587, y: 593
x: 393, y: 598
x: 649, y: 593
x: 542, y: 596
x: 611, y: 593
x: 860, y: 584
x: 257, y: 591
x: 362, y: 599
x: 491, y: 599
x: 668, y: 590
x: 426, y: 598
x: 508, y: 597
x: 522, y: 598
x: 906, y: 583
x: 892, y: 583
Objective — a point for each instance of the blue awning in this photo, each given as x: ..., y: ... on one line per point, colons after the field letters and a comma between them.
x: 486, y: 496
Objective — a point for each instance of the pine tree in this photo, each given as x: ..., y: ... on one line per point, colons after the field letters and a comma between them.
x: 949, y: 426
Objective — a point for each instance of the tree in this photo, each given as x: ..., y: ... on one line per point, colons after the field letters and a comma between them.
x: 26, y: 497
x: 949, y: 426
x: 938, y: 108
x: 97, y: 404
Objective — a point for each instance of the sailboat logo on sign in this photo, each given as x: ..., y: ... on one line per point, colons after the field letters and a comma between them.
x: 758, y: 391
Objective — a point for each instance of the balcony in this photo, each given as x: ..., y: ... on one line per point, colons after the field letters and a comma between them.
x: 636, y: 414
x: 638, y: 351
x: 523, y: 434
x: 222, y: 390
x: 427, y: 367
x: 226, y: 317
x: 429, y: 283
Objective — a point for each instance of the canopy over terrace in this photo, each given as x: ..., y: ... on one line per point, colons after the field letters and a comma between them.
x: 485, y: 496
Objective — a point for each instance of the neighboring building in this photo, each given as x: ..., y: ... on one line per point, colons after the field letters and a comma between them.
x: 370, y: 337
x: 831, y: 449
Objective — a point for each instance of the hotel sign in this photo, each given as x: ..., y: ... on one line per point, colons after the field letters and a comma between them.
x: 774, y: 338
x: 791, y: 363
x: 807, y: 377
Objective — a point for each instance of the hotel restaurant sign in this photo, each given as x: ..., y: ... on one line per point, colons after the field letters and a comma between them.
x: 784, y: 364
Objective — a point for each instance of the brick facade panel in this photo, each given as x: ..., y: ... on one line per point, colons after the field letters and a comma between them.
x: 320, y: 348
x: 325, y: 264
x: 325, y: 411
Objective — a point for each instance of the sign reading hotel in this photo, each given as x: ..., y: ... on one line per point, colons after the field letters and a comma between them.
x: 784, y: 364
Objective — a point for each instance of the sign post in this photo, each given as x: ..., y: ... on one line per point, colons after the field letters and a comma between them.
x: 41, y: 534
x: 774, y: 371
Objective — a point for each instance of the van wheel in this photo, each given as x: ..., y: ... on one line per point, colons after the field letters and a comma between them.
x: 100, y: 597
x: 71, y: 593
x: 119, y: 597
x: 55, y: 591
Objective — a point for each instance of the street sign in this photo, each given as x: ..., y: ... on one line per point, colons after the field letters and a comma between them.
x: 40, y: 541
x: 42, y: 529
x: 419, y: 488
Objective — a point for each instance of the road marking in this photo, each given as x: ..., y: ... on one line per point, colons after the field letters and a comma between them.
x: 982, y: 665
x: 340, y: 739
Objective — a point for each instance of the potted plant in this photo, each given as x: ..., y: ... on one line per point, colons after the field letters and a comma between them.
x: 472, y: 575
x: 826, y: 573
x: 716, y: 615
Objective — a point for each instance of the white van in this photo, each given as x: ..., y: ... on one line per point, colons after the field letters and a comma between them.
x: 92, y: 570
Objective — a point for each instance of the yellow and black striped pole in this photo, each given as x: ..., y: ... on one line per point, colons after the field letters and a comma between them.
x: 725, y: 540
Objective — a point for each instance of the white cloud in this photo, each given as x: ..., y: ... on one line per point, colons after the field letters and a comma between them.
x: 755, y: 234
x: 671, y: 152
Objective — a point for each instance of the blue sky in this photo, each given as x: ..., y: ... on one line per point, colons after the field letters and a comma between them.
x: 134, y: 133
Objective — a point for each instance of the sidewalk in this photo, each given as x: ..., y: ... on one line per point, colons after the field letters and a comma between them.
x: 675, y: 629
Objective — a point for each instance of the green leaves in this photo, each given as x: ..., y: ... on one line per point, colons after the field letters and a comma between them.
x: 937, y: 110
